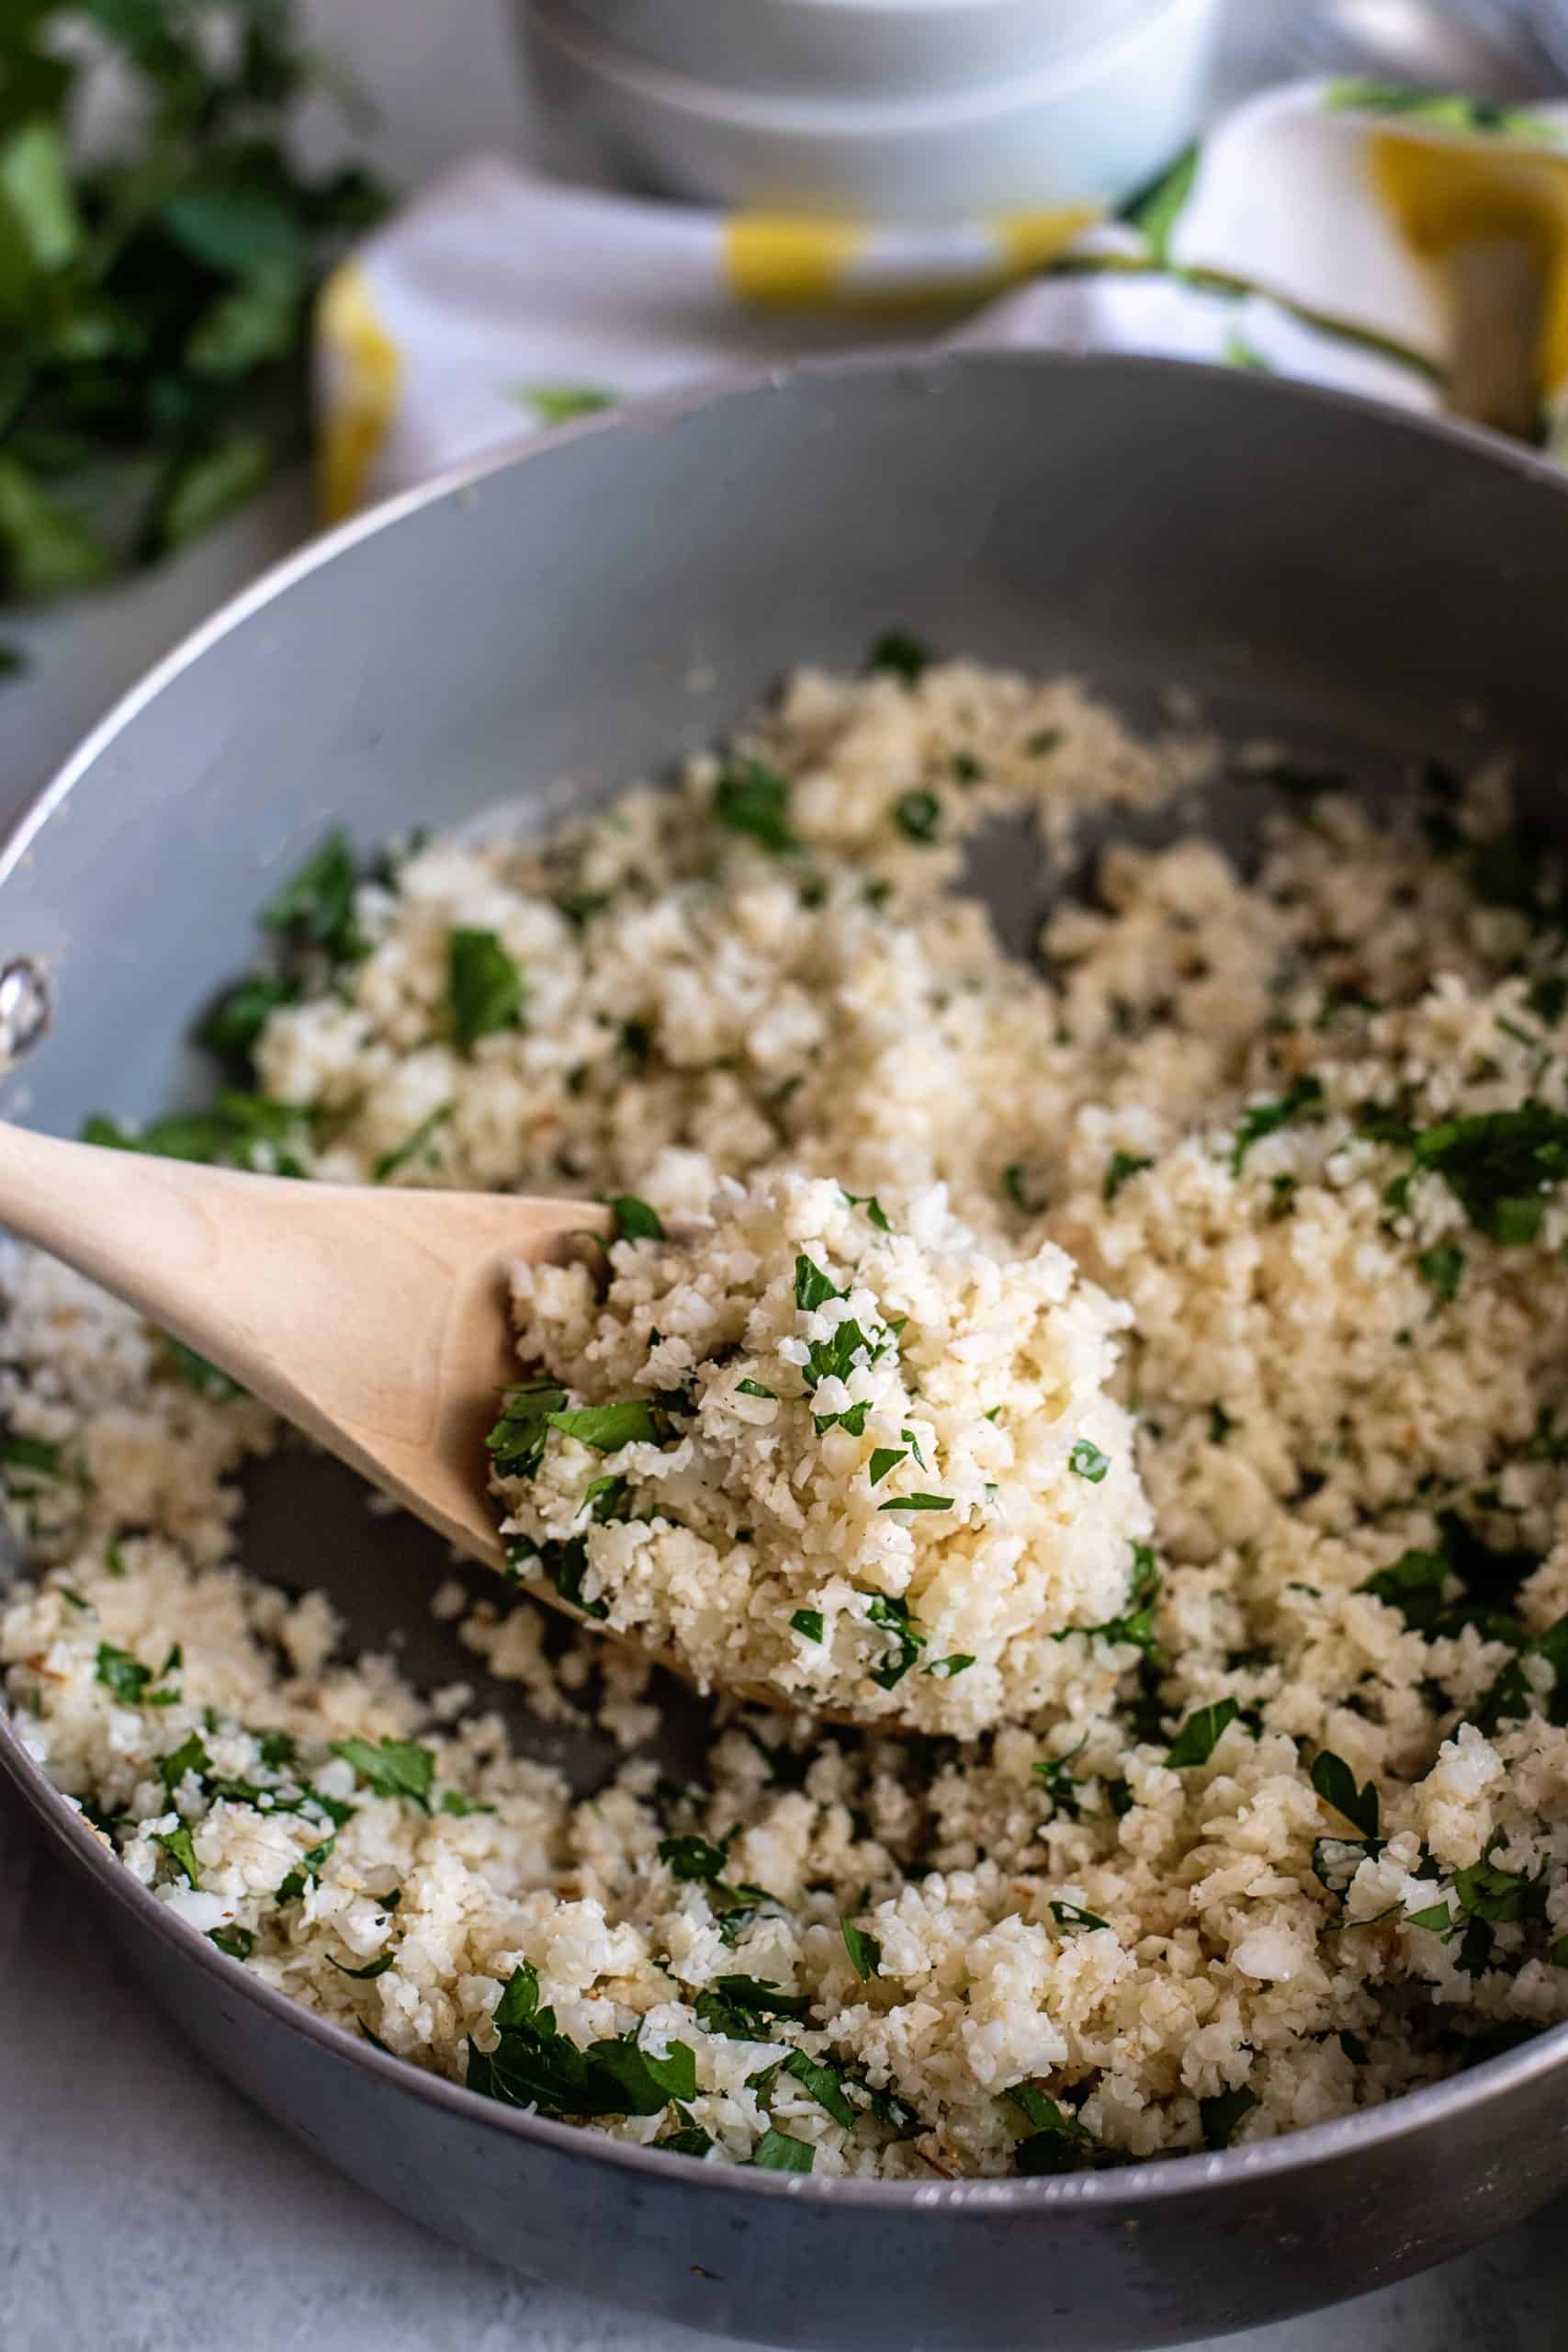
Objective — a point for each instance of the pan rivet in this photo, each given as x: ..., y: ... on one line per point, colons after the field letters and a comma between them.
x: 24, y: 1007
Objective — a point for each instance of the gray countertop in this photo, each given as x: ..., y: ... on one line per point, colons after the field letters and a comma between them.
x: 143, y: 2206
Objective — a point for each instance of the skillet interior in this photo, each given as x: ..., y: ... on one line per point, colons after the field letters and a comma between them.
x: 1316, y: 570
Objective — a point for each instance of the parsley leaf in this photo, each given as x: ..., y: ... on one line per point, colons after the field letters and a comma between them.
x: 1120, y: 1169
x: 917, y: 1502
x: 944, y: 1668
x: 1501, y: 1166
x: 316, y: 904
x: 238, y: 1942
x: 777, y: 2151
x: 812, y: 1287
x: 120, y: 1673
x: 516, y: 1443
x: 176, y: 1844
x: 864, y: 1951
x: 1086, y: 1461
x: 484, y: 987
x: 809, y: 1623
x: 234, y: 1025
x: 1262, y: 1119
x: 535, y: 2065
x: 875, y: 1213
x: 1335, y: 1785
x: 607, y: 1427
x: 1199, y: 1734
x: 30, y: 1454
x: 893, y: 1617
x: 1414, y: 1586
x: 1073, y: 1914
x: 885, y: 1458
x: 1220, y: 2119
x: 693, y: 1858
x: 917, y: 815
x: 750, y: 798
x: 1442, y: 1267
x: 755, y: 1389
x: 897, y: 650
x: 396, y: 1768
x: 635, y: 1221
x: 413, y: 1146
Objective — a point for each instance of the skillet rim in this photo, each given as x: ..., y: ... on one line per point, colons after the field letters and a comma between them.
x: 1113, y: 2195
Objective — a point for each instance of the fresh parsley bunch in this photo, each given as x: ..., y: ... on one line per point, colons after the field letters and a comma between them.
x: 154, y: 303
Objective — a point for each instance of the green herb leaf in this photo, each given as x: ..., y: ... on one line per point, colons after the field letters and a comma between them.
x: 1199, y: 1734
x: 826, y: 2083
x: 516, y: 1442
x: 1502, y: 1166
x: 777, y: 2152
x: 864, y: 1951
x: 956, y: 1662
x: 1414, y: 1586
x: 235, y: 1025
x: 808, y: 1623
x: 755, y: 1389
x: 884, y: 1459
x: 1443, y: 1267
x: 607, y: 1427
x: 121, y: 1674
x: 693, y: 1858
x: 455, y: 1803
x: 1119, y: 1170
x: 377, y: 1967
x: 893, y: 1617
x: 1073, y: 1914
x: 750, y: 798
x: 197, y: 1373
x: 812, y: 1288
x: 875, y: 1213
x: 897, y: 650
x: 1086, y: 1461
x: 190, y: 1756
x: 316, y: 904
x: 238, y: 1942
x: 176, y: 1844
x: 635, y: 1221
x: 1220, y: 2119
x: 1335, y: 1785
x: 917, y: 1502
x: 484, y: 987
x: 1262, y: 1119
x: 395, y: 1768
x: 19, y: 1453
x: 918, y: 815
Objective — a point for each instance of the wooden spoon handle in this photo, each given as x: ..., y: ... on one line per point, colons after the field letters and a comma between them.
x: 374, y: 1319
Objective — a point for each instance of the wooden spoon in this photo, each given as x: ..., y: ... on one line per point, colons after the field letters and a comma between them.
x: 372, y: 1317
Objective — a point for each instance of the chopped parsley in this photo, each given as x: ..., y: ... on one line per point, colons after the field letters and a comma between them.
x: 372, y: 1968
x: 755, y: 1389
x: 904, y: 655
x: 234, y: 1025
x: 417, y: 1146
x: 1262, y: 1119
x: 812, y: 1287
x: 1335, y: 1785
x: 1057, y: 2141
x: 917, y: 1502
x: 635, y: 1221
x: 1199, y: 1734
x: 885, y: 1458
x: 1015, y: 1184
x: 455, y: 1803
x: 395, y: 1768
x: 1073, y: 1914
x: 1120, y: 1169
x: 1501, y: 1166
x: 751, y: 797
x: 176, y: 1844
x: 1413, y: 1585
x: 1137, y: 1626
x: 863, y: 1949
x: 694, y: 1857
x: 893, y: 1617
x: 1086, y: 1461
x: 121, y: 1674
x: 807, y: 1622
x: 315, y: 906
x: 875, y: 1213
x: 607, y: 1427
x: 918, y: 815
x: 535, y: 2065
x: 484, y: 987
x: 303, y: 1874
x: 777, y: 2151
x: 956, y: 1662
x: 1443, y: 1267
x: 1220, y: 2119
x: 238, y: 1942
x: 197, y: 1373
x: 33, y: 1453
x: 190, y: 1756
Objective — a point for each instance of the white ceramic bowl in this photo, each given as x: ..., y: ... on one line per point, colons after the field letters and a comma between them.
x: 1087, y: 126
x: 877, y: 48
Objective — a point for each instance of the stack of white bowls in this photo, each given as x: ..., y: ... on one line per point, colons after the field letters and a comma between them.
x: 905, y: 109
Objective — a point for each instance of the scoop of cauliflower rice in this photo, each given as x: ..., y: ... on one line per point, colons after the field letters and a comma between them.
x: 829, y: 1446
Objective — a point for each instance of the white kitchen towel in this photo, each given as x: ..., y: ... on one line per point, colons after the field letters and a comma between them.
x: 1330, y: 230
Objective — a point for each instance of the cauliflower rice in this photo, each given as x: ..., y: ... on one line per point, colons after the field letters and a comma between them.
x: 1249, y: 1189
